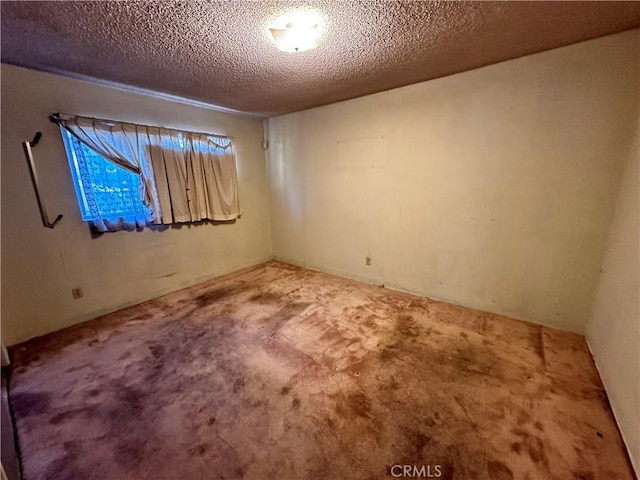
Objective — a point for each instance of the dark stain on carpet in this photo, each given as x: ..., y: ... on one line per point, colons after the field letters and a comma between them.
x: 499, y: 471
x: 218, y: 294
x: 27, y: 404
x: 285, y: 313
x: 360, y: 404
x: 406, y: 326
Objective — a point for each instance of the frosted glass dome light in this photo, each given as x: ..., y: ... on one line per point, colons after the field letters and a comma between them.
x: 296, y: 33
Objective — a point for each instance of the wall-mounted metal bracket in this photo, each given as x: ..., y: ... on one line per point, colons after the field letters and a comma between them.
x: 28, y: 145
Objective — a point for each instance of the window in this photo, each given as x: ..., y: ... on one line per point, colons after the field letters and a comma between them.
x: 105, y: 190
x: 178, y: 176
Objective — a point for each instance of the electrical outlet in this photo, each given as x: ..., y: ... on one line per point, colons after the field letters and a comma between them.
x: 367, y: 261
x: 76, y: 292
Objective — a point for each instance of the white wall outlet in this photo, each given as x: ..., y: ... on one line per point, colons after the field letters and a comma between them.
x: 367, y: 261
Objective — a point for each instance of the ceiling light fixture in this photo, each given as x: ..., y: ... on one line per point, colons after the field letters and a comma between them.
x: 296, y: 32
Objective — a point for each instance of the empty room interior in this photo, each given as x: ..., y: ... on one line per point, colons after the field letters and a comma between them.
x: 324, y: 239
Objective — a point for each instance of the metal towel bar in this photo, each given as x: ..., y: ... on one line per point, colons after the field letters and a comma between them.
x: 34, y: 179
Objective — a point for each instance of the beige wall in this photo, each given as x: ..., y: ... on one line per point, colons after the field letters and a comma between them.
x: 493, y: 188
x: 40, y: 266
x: 614, y: 325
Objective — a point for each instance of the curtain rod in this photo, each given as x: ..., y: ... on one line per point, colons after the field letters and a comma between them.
x: 57, y: 117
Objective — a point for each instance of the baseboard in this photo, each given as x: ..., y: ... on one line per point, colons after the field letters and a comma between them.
x: 399, y: 288
x: 632, y: 460
x: 138, y: 300
x: 5, y: 356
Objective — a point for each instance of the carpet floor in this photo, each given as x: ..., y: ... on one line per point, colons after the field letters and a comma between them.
x: 278, y: 372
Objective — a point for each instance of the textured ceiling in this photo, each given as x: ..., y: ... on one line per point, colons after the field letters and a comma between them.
x: 221, y: 52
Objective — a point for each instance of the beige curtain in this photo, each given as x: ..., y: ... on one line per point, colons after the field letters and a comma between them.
x: 186, y: 176
x: 196, y: 178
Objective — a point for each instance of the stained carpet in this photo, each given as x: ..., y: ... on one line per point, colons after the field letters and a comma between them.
x: 278, y: 372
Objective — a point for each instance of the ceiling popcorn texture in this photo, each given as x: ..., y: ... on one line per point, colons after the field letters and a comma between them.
x: 222, y: 53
